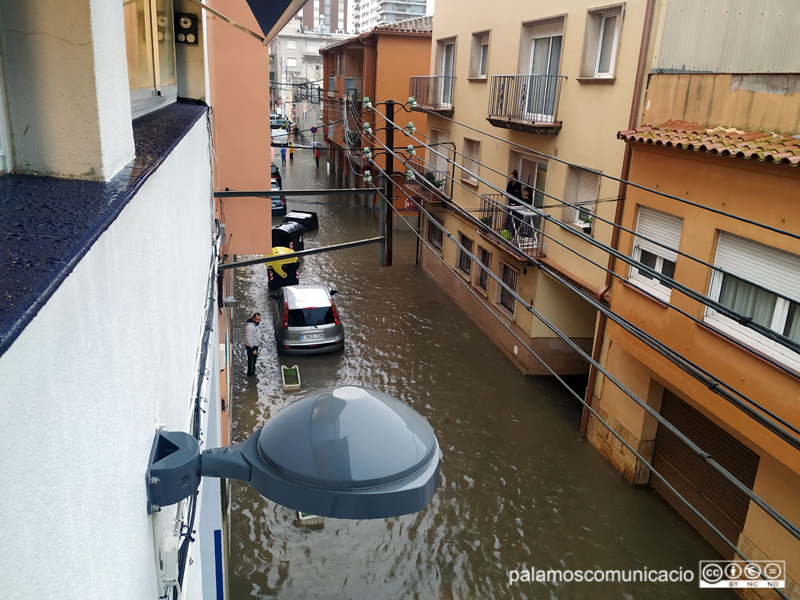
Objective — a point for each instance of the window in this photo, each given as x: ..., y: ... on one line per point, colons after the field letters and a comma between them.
x: 435, y: 234
x: 540, y: 63
x: 603, y: 28
x: 762, y: 283
x: 471, y: 161
x: 485, y: 259
x: 464, y: 258
x: 664, y: 229
x: 291, y: 44
x: 582, y: 189
x: 291, y: 62
x: 509, y: 277
x: 479, y: 59
x: 152, y: 77
x: 446, y: 70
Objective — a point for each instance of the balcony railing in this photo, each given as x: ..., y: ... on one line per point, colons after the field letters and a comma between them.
x: 434, y: 93
x: 353, y: 87
x: 519, y: 227
x: 441, y: 185
x: 525, y: 102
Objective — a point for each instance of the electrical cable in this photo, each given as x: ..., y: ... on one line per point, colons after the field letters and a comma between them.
x: 743, y: 320
x: 618, y: 436
x: 678, y: 359
x: 780, y: 519
x: 617, y: 179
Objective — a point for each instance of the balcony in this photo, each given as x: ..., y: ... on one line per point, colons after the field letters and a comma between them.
x: 519, y: 227
x: 353, y: 88
x: 526, y: 102
x: 440, y: 188
x: 433, y: 93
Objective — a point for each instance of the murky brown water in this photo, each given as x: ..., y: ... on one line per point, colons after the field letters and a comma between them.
x: 518, y: 487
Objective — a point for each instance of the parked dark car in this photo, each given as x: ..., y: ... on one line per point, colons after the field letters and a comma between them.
x: 276, y: 174
x: 278, y: 202
x: 306, y: 320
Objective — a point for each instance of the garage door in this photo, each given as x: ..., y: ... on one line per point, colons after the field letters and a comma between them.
x: 715, y: 497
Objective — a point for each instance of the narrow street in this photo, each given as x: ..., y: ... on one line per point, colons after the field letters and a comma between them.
x: 518, y: 489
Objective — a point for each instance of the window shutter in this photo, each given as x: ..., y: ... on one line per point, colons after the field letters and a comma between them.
x: 661, y: 227
x: 588, y: 184
x: 768, y: 267
x: 547, y: 28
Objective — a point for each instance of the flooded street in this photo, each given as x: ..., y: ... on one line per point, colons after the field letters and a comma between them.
x: 518, y: 489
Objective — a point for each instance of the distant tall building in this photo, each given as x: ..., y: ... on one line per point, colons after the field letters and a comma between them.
x: 326, y: 16
x: 369, y: 13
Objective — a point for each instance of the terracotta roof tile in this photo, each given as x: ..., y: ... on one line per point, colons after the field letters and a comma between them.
x: 763, y: 145
x: 423, y: 24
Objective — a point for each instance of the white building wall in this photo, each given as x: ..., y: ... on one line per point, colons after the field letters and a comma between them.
x: 67, y: 87
x: 108, y: 358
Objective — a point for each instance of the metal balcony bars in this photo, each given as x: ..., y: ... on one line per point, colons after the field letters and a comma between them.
x: 518, y: 226
x: 529, y: 99
x: 434, y: 92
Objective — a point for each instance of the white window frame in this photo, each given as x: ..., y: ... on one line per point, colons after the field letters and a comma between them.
x: 291, y: 44
x: 148, y: 99
x: 480, y: 48
x: 749, y: 336
x: 663, y: 228
x: 583, y: 193
x: 291, y: 61
x: 614, y: 45
x: 596, y: 22
x: 471, y: 161
x: 447, y: 89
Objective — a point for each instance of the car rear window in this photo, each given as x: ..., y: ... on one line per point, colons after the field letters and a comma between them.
x: 309, y: 317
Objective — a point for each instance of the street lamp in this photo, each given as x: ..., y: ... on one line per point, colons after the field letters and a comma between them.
x: 347, y: 452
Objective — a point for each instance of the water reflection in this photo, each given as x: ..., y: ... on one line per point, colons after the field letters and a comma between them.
x: 518, y: 489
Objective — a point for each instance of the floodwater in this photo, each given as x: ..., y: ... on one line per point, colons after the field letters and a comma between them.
x: 519, y: 489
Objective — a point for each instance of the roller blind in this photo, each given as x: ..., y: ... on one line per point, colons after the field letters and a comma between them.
x: 774, y: 269
x: 661, y: 227
x: 588, y: 184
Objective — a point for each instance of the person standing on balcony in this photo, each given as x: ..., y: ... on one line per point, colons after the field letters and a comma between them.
x: 514, y: 187
x: 252, y: 340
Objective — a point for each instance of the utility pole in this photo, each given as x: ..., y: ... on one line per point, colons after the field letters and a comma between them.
x: 389, y: 178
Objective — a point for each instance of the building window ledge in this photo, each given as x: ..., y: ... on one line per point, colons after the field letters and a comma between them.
x: 596, y: 80
x: 477, y: 79
x: 38, y: 254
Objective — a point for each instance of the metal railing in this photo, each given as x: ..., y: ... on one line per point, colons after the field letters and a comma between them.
x: 432, y: 92
x: 353, y: 87
x: 440, y: 180
x: 518, y: 226
x: 529, y: 98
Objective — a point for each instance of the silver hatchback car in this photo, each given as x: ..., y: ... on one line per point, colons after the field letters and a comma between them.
x: 306, y: 320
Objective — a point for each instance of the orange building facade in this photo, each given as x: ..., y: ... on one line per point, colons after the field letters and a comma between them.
x: 709, y: 166
x: 375, y: 65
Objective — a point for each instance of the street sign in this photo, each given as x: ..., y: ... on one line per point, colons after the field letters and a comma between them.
x: 313, y: 130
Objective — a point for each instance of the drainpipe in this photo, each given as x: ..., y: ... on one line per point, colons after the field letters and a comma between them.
x: 623, y: 189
